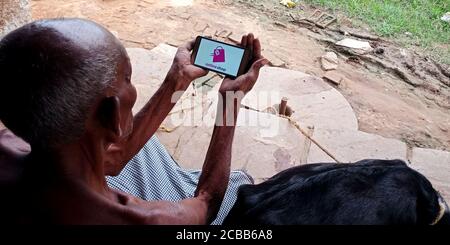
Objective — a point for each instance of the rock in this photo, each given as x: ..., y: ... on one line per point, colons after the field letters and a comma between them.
x: 277, y: 63
x: 329, y: 61
x: 289, y: 3
x: 379, y: 50
x: 403, y: 53
x: 334, y: 77
x: 435, y: 165
x: 274, y: 60
x: 446, y: 17
x: 355, y: 44
x: 13, y: 14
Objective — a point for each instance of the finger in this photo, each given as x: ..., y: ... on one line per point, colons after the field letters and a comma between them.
x: 250, y: 40
x: 257, y: 65
x: 257, y: 49
x: 253, y: 73
x: 244, y: 41
x: 189, y: 45
x: 195, y: 72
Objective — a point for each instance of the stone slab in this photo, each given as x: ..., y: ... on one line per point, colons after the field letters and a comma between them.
x: 313, y: 101
x: 435, y: 165
x: 352, y: 146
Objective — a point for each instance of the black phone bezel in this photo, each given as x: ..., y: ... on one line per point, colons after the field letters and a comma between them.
x: 243, y: 66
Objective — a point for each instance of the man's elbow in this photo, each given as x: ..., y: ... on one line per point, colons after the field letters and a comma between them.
x: 212, y: 204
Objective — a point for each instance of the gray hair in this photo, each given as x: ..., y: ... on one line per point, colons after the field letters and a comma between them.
x: 49, y: 83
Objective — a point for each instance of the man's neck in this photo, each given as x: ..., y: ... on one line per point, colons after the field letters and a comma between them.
x: 80, y: 163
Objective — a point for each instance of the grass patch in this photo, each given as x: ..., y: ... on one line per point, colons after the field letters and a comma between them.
x: 394, y: 18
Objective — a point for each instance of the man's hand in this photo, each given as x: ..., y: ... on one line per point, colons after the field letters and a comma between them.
x: 245, y: 82
x: 182, y: 67
x: 232, y: 91
x: 147, y: 121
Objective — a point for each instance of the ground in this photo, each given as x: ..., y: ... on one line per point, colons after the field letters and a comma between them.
x: 13, y: 14
x: 399, y: 94
x: 416, y: 24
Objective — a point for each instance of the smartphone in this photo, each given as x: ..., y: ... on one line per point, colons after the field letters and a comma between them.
x: 229, y: 60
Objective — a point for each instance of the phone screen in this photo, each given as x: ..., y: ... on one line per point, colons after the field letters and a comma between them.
x: 219, y: 57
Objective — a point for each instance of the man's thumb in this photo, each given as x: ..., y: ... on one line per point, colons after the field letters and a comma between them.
x: 257, y: 65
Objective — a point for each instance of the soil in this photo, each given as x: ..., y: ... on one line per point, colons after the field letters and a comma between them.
x: 13, y: 14
x: 395, y: 92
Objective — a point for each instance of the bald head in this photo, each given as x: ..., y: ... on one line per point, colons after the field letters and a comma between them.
x: 51, y: 72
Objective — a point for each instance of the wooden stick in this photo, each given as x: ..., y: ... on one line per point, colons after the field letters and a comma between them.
x: 283, y: 105
x: 297, y: 126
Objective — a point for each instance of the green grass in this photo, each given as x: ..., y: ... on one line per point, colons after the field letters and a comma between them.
x: 393, y: 18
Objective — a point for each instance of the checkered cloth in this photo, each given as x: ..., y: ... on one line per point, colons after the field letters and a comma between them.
x: 154, y: 175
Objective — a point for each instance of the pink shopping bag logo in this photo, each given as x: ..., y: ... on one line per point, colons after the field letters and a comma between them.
x: 219, y: 54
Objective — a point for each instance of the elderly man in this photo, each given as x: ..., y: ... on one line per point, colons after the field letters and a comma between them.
x: 66, y: 91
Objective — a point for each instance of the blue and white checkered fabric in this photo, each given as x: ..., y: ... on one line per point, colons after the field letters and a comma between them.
x: 153, y: 175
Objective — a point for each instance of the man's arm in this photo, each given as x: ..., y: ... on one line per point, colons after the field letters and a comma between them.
x: 148, y: 120
x: 215, y: 175
x: 216, y: 169
x: 205, y: 205
x: 203, y: 208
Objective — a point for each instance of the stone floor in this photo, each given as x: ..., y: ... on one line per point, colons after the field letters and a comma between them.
x: 13, y: 14
x: 265, y: 143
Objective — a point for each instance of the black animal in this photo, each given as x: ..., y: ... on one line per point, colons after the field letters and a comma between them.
x: 377, y: 192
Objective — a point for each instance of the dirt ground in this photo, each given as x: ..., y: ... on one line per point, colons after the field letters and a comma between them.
x: 395, y: 92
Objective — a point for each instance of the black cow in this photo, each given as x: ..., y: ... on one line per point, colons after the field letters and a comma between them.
x: 367, y: 192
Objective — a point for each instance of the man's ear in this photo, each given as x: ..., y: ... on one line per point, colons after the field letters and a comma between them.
x: 109, y: 117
